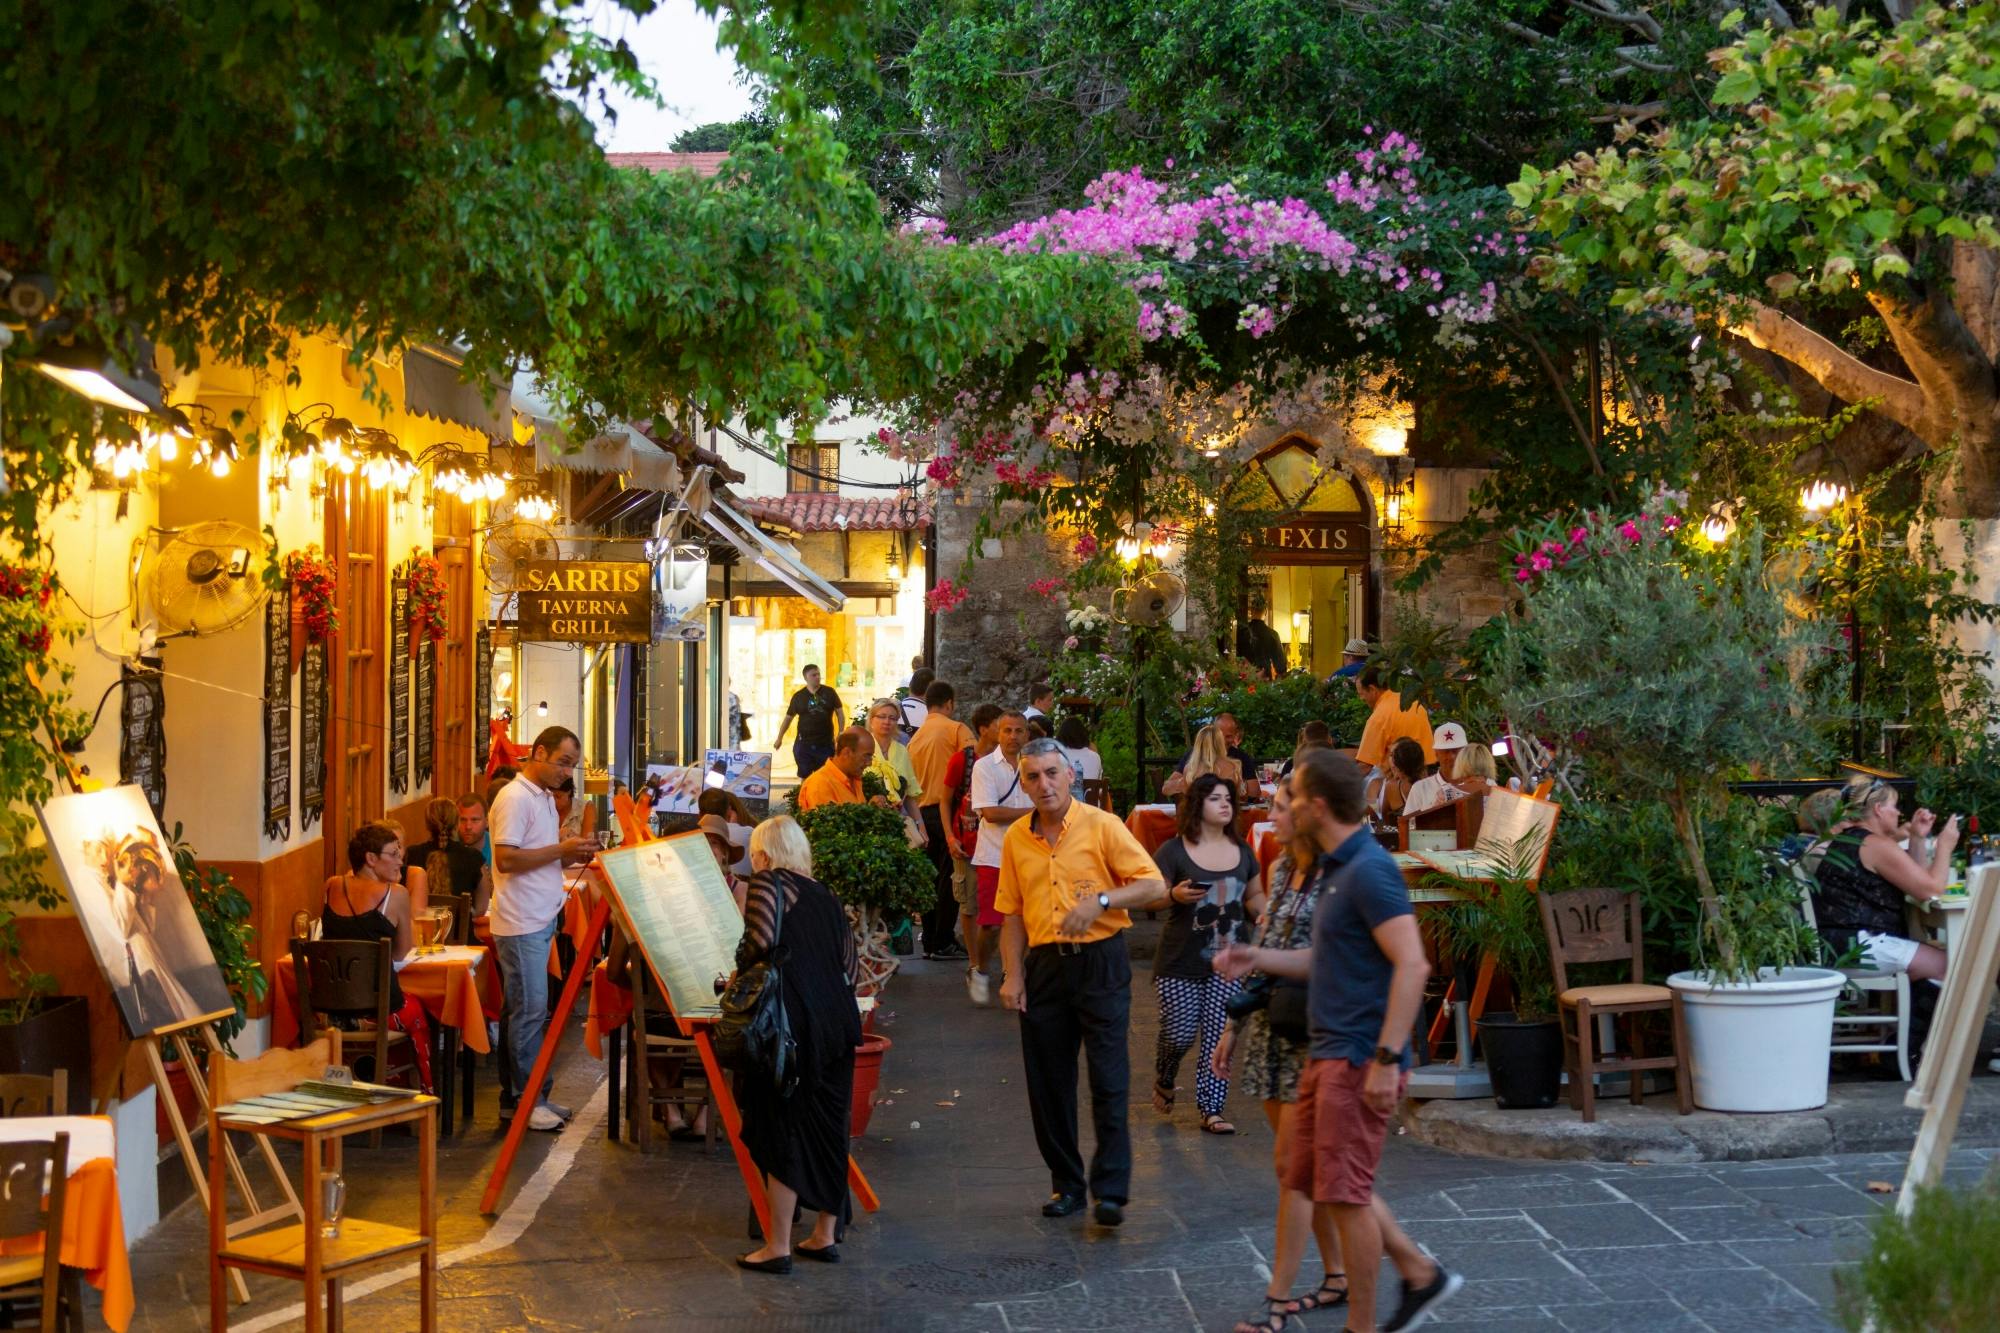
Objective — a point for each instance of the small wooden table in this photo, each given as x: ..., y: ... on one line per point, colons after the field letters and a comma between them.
x: 298, y: 1251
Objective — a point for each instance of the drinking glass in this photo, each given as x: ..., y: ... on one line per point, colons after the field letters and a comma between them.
x: 332, y: 1197
x: 440, y: 925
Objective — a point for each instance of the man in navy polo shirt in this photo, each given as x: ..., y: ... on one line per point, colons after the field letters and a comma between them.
x: 1365, y: 973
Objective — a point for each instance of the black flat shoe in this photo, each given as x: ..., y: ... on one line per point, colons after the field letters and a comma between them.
x: 1109, y: 1214
x: 1062, y: 1205
x: 826, y: 1254
x: 782, y: 1264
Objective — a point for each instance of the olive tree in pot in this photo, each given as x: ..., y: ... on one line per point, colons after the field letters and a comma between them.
x: 860, y: 851
x: 1503, y: 918
x: 1672, y: 665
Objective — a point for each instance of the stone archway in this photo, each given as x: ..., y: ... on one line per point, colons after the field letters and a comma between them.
x: 1313, y: 562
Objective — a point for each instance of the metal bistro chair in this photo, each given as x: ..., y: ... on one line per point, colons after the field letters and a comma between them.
x: 1862, y: 1033
x: 350, y: 979
x: 25, y: 1212
x: 34, y: 1094
x: 1597, y: 926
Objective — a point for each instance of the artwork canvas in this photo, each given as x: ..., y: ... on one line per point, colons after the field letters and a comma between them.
x: 135, y: 911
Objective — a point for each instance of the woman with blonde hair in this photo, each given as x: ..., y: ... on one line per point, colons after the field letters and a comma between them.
x: 1474, y: 769
x: 798, y: 1138
x: 1209, y: 755
x: 443, y: 864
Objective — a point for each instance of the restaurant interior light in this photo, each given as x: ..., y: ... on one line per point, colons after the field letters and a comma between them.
x: 1821, y: 496
x: 88, y: 369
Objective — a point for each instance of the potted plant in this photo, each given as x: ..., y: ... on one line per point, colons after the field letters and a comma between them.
x: 224, y: 914
x: 1932, y: 1269
x: 1523, y: 1046
x: 40, y: 1031
x: 1670, y: 668
x: 861, y: 852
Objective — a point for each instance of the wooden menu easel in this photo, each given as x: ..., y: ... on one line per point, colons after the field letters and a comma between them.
x: 183, y: 1035
x: 1939, y: 1089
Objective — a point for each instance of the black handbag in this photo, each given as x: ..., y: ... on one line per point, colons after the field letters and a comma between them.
x: 754, y: 1033
x: 1287, y: 1012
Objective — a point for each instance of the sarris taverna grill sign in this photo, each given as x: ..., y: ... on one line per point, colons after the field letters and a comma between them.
x: 586, y: 601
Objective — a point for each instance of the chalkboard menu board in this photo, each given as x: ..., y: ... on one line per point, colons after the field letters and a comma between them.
x: 399, y: 685
x: 678, y: 910
x: 312, y: 735
x: 482, y: 698
x: 278, y: 715
x: 426, y: 706
x: 142, y: 733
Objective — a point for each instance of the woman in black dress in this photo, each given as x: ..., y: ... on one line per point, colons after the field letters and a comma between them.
x: 800, y: 1142
x: 370, y: 903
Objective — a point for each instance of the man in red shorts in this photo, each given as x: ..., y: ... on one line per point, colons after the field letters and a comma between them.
x: 1365, y: 974
x: 998, y: 798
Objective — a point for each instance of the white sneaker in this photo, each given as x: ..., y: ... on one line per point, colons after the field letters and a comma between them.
x: 979, y: 986
x: 1993, y: 1065
x: 544, y: 1119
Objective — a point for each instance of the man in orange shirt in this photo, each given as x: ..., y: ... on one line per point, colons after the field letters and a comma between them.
x: 1388, y: 722
x: 838, y: 780
x: 940, y: 737
x: 1069, y: 875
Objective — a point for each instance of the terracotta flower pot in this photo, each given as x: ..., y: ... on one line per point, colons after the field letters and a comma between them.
x: 867, y: 1077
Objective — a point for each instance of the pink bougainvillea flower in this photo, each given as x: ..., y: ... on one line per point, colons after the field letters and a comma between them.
x: 1086, y: 546
x: 945, y: 597
x: 1047, y: 587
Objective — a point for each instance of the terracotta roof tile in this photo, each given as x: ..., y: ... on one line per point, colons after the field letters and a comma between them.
x: 701, y: 164
x: 820, y: 512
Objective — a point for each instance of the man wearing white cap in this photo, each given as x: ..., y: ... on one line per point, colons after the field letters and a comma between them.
x: 1352, y: 658
x: 1431, y: 791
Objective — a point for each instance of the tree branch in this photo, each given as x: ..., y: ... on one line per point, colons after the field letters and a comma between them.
x: 1947, y: 361
x: 1521, y: 331
x: 1839, y: 371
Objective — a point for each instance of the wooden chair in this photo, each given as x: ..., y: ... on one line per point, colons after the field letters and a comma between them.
x: 1460, y: 816
x: 25, y: 1211
x: 34, y: 1094
x: 302, y: 925
x: 692, y: 1095
x: 1598, y: 926
x: 1097, y: 792
x: 350, y: 979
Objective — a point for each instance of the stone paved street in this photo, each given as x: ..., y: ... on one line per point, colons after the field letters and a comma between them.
x: 624, y: 1241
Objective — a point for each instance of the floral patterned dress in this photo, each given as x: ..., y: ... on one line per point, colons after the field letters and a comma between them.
x: 1272, y: 1065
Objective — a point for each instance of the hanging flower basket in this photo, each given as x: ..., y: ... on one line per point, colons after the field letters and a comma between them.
x: 427, y: 592
x: 313, y: 593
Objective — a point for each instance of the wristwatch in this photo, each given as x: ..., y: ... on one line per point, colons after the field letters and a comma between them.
x: 1103, y: 902
x: 1385, y: 1056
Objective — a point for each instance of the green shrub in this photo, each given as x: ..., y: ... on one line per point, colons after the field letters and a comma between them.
x: 1935, y: 1271
x: 860, y: 852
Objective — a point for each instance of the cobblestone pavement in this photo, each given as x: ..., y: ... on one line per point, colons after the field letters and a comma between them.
x: 625, y: 1241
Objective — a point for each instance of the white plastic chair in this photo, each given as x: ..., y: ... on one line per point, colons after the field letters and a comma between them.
x: 1861, y: 1033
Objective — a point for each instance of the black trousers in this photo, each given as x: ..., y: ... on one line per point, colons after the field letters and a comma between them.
x: 941, y: 921
x: 1080, y: 996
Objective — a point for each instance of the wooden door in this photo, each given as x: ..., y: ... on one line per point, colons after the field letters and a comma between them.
x: 452, y: 775
x: 356, y: 522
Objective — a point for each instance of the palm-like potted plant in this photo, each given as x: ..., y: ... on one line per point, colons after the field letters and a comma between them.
x: 1502, y: 918
x: 1672, y: 667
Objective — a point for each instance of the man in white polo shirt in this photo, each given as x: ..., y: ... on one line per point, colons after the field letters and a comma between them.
x: 529, y: 853
x: 998, y: 799
x: 1436, y: 789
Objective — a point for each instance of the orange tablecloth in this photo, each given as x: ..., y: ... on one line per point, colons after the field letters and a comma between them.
x: 1154, y: 827
x: 452, y: 992
x: 93, y: 1237
x: 610, y: 1007
x: 576, y: 925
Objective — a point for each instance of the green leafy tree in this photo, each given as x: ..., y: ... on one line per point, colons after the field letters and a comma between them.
x: 719, y: 136
x: 1847, y: 171
x: 1671, y: 670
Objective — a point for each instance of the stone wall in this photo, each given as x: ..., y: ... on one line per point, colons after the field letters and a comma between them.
x: 999, y: 640
x: 1471, y: 588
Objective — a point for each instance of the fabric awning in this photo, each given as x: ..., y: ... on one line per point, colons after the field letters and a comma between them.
x: 621, y: 448
x: 432, y: 388
x: 776, y: 558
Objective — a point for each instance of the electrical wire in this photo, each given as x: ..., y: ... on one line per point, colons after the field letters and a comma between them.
x: 913, y: 483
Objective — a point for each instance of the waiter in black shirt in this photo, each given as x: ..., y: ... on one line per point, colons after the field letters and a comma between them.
x: 817, y: 709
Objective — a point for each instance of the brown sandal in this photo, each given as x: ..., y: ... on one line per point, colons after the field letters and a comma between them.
x: 1163, y: 1099
x: 1215, y: 1124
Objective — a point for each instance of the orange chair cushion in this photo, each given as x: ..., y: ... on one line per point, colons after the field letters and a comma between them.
x: 1629, y: 993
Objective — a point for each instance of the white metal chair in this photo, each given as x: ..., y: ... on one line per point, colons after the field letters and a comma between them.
x: 1863, y: 1032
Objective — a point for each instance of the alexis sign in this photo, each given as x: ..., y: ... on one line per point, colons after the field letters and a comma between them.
x: 586, y: 601
x: 1312, y: 539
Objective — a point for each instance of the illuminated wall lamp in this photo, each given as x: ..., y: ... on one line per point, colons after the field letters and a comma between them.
x: 1821, y: 496
x: 88, y: 369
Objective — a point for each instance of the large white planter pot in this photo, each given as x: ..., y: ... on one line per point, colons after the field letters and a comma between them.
x: 1761, y: 1045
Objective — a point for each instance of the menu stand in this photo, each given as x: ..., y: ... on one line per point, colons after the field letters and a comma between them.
x: 299, y: 1252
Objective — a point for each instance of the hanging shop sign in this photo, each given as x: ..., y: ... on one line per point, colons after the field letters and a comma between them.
x: 586, y: 601
x: 426, y: 710
x: 399, y: 685
x: 278, y: 715
x: 1312, y: 539
x: 482, y: 693
x: 312, y: 733
x: 680, y: 585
